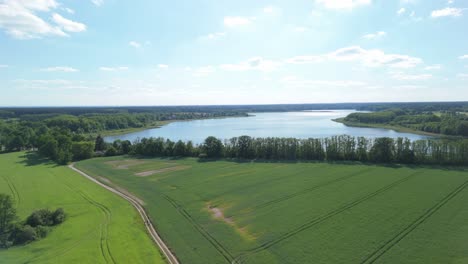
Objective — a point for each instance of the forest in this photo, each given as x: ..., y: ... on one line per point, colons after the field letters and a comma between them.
x: 449, y: 122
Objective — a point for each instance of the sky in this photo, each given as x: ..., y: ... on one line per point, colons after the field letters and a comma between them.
x: 205, y: 52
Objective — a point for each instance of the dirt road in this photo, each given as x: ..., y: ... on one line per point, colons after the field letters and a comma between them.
x: 170, y: 257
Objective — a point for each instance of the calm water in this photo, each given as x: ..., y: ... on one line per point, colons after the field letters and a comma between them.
x: 305, y: 124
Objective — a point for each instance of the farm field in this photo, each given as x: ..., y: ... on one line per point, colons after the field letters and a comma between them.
x: 235, y: 212
x: 100, y: 226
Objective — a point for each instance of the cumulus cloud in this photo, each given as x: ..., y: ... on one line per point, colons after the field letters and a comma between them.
x: 433, y: 67
x: 448, y: 11
x: 256, y: 63
x: 163, y: 66
x: 343, y: 4
x: 135, y: 44
x: 111, y: 69
x: 204, y: 71
x: 410, y: 77
x: 375, y: 35
x: 97, y: 2
x: 401, y: 11
x: 236, y: 21
x: 463, y: 57
x: 298, y: 82
x: 20, y: 19
x: 213, y: 36
x: 369, y: 58
x: 59, y: 69
x: 68, y: 25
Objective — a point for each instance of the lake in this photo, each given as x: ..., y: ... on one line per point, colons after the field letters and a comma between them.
x: 304, y: 124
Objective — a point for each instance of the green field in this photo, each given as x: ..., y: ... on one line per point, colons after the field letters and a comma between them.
x: 100, y: 227
x: 217, y: 212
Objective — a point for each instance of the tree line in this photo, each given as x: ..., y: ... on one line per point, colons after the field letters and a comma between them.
x: 450, y: 123
x: 336, y: 148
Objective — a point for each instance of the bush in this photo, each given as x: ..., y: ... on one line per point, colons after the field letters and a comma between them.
x: 42, y: 231
x: 111, y: 151
x: 58, y: 216
x: 24, y: 234
x: 43, y: 217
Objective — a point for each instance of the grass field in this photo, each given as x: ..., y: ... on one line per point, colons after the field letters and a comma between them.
x: 218, y: 212
x: 100, y: 228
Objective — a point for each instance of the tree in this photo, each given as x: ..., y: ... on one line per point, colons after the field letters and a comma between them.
x: 82, y: 150
x: 7, y: 216
x: 179, y: 148
x: 100, y: 145
x: 126, y: 146
x: 213, y: 147
x: 382, y: 150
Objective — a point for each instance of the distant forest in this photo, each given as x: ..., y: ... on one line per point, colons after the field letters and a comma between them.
x: 68, y: 133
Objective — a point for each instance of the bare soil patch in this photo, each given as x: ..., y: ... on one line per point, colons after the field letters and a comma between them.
x: 152, y: 172
x: 124, y: 164
x: 218, y: 214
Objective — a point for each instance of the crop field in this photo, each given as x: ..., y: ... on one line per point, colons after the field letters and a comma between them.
x: 253, y: 212
x: 100, y: 226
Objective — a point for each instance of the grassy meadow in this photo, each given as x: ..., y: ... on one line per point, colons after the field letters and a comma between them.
x: 253, y: 212
x: 100, y: 226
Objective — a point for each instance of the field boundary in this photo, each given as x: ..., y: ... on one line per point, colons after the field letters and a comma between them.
x: 170, y: 257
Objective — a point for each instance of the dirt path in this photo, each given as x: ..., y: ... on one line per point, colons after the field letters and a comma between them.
x: 170, y: 257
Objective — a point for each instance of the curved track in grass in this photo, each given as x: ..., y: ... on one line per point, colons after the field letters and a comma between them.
x: 170, y: 257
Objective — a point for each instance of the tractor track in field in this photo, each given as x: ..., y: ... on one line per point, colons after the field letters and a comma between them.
x: 320, y: 219
x: 103, y: 227
x: 305, y: 191
x: 169, y: 256
x: 215, y: 243
x: 420, y: 220
x: 13, y: 189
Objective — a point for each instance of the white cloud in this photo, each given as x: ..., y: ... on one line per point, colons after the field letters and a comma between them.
x: 401, y: 11
x: 163, y: 66
x: 449, y: 2
x: 448, y: 11
x: 97, y: 2
x: 69, y: 10
x: 235, y: 21
x: 268, y: 9
x: 134, y: 44
x: 20, y: 19
x: 59, y: 69
x: 433, y: 67
x: 305, y: 59
x: 463, y: 75
x: 214, y: 36
x: 369, y: 58
x: 410, y: 77
x: 203, y: 71
x: 463, y: 57
x: 300, y: 29
x: 68, y: 25
x: 109, y: 69
x: 295, y: 81
x: 375, y: 35
x: 3, y: 66
x: 343, y: 4
x: 256, y: 63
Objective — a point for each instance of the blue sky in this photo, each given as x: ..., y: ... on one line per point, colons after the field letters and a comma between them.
x: 187, y: 52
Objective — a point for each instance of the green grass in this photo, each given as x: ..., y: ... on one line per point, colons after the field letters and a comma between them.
x: 100, y: 227
x: 300, y: 212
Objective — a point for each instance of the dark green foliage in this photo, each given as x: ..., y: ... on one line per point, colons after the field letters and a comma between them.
x: 36, y: 226
x: 337, y: 148
x: 24, y: 234
x: 99, y: 145
x: 7, y: 218
x: 82, y: 150
x: 42, y: 217
x: 213, y: 147
x: 111, y: 151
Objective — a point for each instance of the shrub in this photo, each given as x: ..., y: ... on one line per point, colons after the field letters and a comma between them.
x: 43, y: 217
x: 58, y: 216
x: 24, y: 234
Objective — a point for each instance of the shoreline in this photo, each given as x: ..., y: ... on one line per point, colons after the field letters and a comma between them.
x: 394, y: 128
